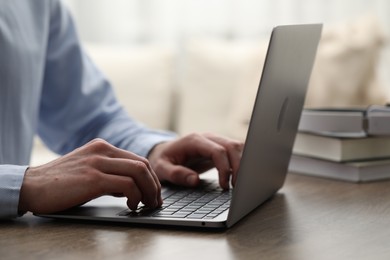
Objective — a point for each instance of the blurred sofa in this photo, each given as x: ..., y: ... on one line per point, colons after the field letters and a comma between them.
x: 210, y: 84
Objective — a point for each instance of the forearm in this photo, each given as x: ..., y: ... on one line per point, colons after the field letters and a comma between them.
x: 125, y: 133
x: 11, y: 179
x: 78, y: 103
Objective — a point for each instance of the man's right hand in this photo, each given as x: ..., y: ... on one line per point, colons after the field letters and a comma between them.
x: 88, y: 172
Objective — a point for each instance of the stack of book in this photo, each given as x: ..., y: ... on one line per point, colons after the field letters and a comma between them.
x: 345, y: 144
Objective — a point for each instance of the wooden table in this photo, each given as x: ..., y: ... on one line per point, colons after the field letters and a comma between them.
x: 310, y: 218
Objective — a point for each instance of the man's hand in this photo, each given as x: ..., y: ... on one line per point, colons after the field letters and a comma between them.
x: 93, y: 170
x: 180, y: 161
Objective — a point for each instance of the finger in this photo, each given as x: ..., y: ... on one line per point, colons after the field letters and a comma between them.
x: 148, y: 185
x: 218, y: 154
x: 114, y: 184
x: 179, y: 175
x: 158, y: 184
x: 234, y: 150
x: 100, y: 147
x: 200, y: 165
x: 120, y: 153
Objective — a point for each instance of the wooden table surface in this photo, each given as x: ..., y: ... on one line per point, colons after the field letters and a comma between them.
x: 310, y: 218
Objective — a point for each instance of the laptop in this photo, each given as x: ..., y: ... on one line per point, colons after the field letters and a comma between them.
x: 267, y: 150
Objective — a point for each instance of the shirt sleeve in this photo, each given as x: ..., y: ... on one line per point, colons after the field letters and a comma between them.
x: 11, y: 179
x: 78, y: 102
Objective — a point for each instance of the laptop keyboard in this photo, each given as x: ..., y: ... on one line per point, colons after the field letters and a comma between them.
x: 206, y: 202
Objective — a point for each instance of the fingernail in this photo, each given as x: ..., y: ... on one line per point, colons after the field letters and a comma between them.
x: 191, y: 180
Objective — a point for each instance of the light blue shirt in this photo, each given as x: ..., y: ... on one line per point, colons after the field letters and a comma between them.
x: 49, y: 86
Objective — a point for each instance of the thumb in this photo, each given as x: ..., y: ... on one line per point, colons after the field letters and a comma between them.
x: 179, y: 175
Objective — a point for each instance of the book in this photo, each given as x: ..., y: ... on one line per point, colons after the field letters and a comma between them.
x: 349, y: 171
x: 347, y: 122
x: 341, y: 149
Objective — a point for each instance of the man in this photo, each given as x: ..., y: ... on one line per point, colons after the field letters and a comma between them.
x: 49, y: 86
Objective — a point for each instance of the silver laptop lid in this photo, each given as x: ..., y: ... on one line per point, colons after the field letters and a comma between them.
x: 275, y: 117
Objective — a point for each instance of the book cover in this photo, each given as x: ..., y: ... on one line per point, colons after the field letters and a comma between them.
x: 343, y: 122
x: 350, y: 171
x: 342, y: 149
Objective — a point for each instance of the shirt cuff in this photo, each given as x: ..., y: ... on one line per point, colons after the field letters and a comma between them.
x: 11, y: 179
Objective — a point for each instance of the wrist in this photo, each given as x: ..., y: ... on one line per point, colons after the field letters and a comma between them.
x: 155, y: 152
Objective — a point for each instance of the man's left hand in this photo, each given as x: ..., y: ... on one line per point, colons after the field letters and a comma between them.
x: 182, y: 160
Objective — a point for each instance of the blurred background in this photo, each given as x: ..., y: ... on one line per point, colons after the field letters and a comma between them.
x: 194, y: 65
x: 203, y: 50
x: 172, y: 21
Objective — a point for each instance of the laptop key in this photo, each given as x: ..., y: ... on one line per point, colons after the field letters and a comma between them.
x: 168, y: 216
x: 196, y: 216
